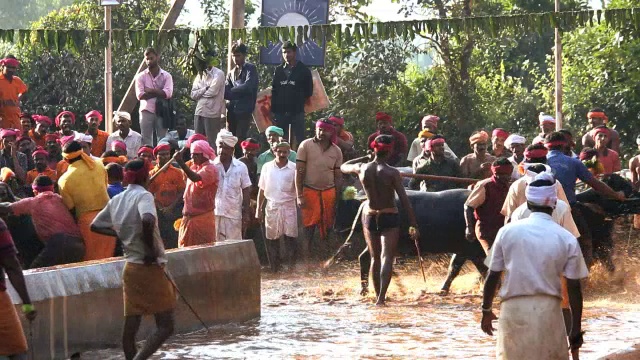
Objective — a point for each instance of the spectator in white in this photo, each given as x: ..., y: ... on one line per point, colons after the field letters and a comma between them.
x: 178, y: 138
x: 234, y: 190
x: 277, y: 187
x: 547, y: 126
x: 131, y: 138
x: 208, y: 91
x: 86, y: 141
x: 152, y: 84
x: 430, y: 124
x: 516, y: 144
x: 241, y: 89
x: 530, y: 315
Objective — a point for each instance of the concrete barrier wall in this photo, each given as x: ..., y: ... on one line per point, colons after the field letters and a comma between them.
x: 80, y: 306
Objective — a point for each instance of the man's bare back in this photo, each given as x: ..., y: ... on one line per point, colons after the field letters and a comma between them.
x: 380, y: 181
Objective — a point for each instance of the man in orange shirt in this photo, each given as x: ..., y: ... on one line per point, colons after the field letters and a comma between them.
x: 40, y: 157
x: 26, y: 123
x: 11, y: 89
x: 42, y: 128
x: 99, y: 144
x: 53, y: 147
x: 167, y: 188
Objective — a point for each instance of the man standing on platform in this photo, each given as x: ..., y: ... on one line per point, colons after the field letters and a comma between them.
x: 152, y: 84
x: 208, y: 91
x: 241, y: 90
x: 434, y: 162
x: 99, y: 143
x: 275, y: 135
x: 10, y: 157
x: 198, y: 225
x: 429, y: 128
x: 146, y: 285
x: 179, y: 137
x: 131, y: 138
x: 12, y: 88
x: 384, y: 123
x: 597, y: 118
x: 318, y: 180
x: 292, y: 85
x: 477, y: 165
x: 233, y: 213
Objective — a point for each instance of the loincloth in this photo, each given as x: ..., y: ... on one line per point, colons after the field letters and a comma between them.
x: 380, y: 219
x: 12, y: 340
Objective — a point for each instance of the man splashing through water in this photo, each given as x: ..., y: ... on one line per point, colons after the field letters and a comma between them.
x: 380, y: 219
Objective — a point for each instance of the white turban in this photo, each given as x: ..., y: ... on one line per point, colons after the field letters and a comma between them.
x: 122, y: 114
x: 515, y: 139
x: 546, y: 118
x: 80, y: 137
x: 543, y: 195
x: 226, y: 137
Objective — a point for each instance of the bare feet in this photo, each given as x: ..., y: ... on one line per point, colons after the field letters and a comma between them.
x: 380, y: 303
x: 443, y: 292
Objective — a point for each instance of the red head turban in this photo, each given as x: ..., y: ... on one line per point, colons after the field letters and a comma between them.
x: 500, y: 133
x: 41, y: 119
x: 431, y: 142
x: 601, y: 129
x: 382, y: 116
x: 161, y: 147
x: 337, y: 120
x: 329, y: 127
x: 39, y: 151
x: 52, y: 137
x: 93, y: 113
x: 117, y: 144
x: 145, y: 150
x: 59, y: 117
x: 11, y: 62
x: 195, y: 137
x: 9, y: 132
x: 249, y: 145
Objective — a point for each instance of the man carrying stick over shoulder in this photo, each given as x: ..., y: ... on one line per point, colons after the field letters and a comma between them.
x: 380, y: 217
x: 147, y: 289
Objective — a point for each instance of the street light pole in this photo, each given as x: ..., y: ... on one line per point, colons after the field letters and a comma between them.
x: 108, y: 86
x: 558, y: 63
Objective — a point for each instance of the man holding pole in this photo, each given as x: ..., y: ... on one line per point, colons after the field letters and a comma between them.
x: 147, y: 288
x: 434, y: 162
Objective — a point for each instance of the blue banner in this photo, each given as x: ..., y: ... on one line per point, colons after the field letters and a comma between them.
x: 294, y: 13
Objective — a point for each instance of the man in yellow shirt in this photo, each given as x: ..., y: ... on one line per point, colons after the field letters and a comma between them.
x: 84, y: 188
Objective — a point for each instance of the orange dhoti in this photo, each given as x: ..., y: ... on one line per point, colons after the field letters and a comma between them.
x: 197, y: 230
x: 147, y: 290
x: 12, y: 340
x: 565, y: 293
x: 319, y: 209
x: 97, y: 246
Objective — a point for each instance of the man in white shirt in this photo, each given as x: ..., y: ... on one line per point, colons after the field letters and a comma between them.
x: 516, y: 144
x: 278, y: 187
x: 208, y: 91
x: 131, y: 138
x: 234, y: 190
x: 178, y: 138
x: 430, y: 124
x: 534, y: 253
x: 131, y: 216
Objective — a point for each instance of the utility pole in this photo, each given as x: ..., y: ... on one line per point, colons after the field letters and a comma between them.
x: 558, y: 61
x: 108, y: 86
x: 236, y: 21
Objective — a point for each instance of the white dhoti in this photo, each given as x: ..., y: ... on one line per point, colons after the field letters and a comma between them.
x: 532, y: 328
x: 228, y: 228
x: 281, y: 218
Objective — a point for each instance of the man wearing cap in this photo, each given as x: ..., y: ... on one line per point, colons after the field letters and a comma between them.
x: 167, y: 188
x: 43, y: 123
x: 429, y: 128
x: 434, y: 162
x: 609, y: 158
x: 275, y: 135
x: 152, y: 84
x: 291, y: 86
x: 318, y: 180
x: 547, y: 126
x: 233, y: 213
x: 384, y: 124
x: 477, y: 165
x: 178, y: 138
x: 84, y: 190
x: 65, y: 121
x: 12, y: 89
x: 597, y: 118
x: 198, y: 223
x: 40, y: 158
x: 99, y: 143
x: 516, y: 144
x: 131, y: 138
x: 208, y: 92
x: 241, y: 91
x: 498, y: 139
x: 10, y: 157
x: 529, y: 325
x: 482, y: 208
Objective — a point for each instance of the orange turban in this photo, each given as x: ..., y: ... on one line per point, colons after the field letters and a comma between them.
x: 479, y: 137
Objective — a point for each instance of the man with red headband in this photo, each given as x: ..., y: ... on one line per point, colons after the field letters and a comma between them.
x: 53, y: 147
x: 147, y: 288
x: 429, y: 128
x: 12, y: 89
x: 198, y: 225
x: 10, y: 157
x: 609, y: 158
x: 482, y: 208
x: 318, y: 180
x: 498, y: 138
x: 84, y: 190
x: 65, y: 121
x: 40, y: 158
x: 434, y: 162
x: 345, y: 138
x: 477, y: 165
x: 43, y: 123
x: 597, y: 118
x: 93, y: 120
x: 547, y: 126
x: 380, y: 217
x: 250, y: 149
x: 146, y: 153
x: 384, y: 123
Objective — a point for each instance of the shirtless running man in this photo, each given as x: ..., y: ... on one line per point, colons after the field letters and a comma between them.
x: 380, y: 218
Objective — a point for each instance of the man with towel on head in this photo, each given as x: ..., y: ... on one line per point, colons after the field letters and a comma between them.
x: 99, y: 144
x: 198, y: 224
x: 132, y: 139
x: 274, y: 135
x: 530, y: 327
x: 477, y: 165
x: 498, y: 143
x: 131, y: 216
x: 233, y: 212
x: 65, y: 121
x: 434, y: 162
x: 12, y: 88
x: 429, y: 128
x: 597, y: 117
x: 516, y: 144
x: 547, y: 126
x: 43, y: 123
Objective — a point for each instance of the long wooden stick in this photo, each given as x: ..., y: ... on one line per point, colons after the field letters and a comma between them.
x: 165, y: 166
x: 441, y: 178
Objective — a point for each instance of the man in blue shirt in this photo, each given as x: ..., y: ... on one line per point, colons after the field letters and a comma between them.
x: 567, y: 170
